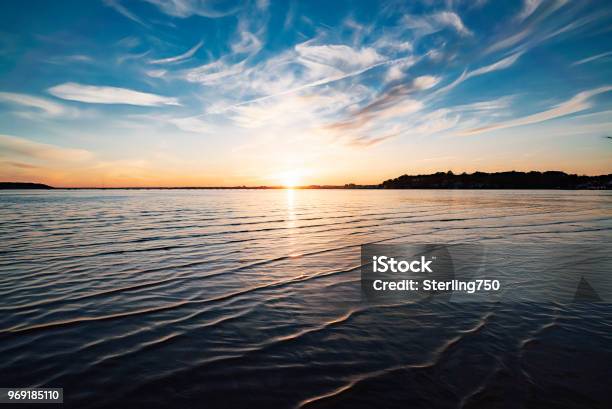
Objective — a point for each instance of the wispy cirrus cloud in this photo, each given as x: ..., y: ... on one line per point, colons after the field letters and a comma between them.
x: 214, y: 72
x: 71, y: 59
x: 432, y: 23
x: 121, y: 9
x: 502, y: 64
x: 335, y: 58
x: 245, y: 44
x: 529, y: 7
x: 540, y: 21
x: 93, y: 94
x: 498, y: 104
x: 496, y: 66
x: 156, y: 73
x: 580, y: 102
x: 593, y: 58
x: 179, y: 58
x: 384, y: 116
x: 203, y: 8
x: 307, y: 65
x: 132, y: 57
x: 43, y: 105
x: 248, y: 43
x: 14, y: 146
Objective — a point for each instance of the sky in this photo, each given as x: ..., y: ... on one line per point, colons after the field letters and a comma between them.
x: 116, y: 93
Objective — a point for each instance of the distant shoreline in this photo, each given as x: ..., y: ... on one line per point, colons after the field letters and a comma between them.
x: 300, y: 188
x: 297, y: 188
x: 549, y: 180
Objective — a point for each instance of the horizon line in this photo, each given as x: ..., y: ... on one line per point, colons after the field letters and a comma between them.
x: 347, y: 186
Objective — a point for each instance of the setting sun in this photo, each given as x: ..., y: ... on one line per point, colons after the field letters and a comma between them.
x: 290, y: 179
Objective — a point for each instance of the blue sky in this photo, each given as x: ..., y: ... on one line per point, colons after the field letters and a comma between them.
x: 187, y: 92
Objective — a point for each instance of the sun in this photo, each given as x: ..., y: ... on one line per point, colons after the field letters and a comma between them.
x: 290, y: 179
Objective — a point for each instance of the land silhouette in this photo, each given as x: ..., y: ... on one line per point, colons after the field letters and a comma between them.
x: 438, y: 180
x: 23, y: 185
x: 500, y: 180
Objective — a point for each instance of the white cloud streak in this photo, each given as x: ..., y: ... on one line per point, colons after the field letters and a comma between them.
x: 496, y: 66
x: 529, y: 7
x: 108, y: 95
x: 121, y: 9
x: 336, y: 58
x: 432, y: 23
x: 179, y: 58
x: 425, y: 82
x: 48, y: 107
x: 188, y: 8
x: 580, y: 102
x: 450, y: 19
x: 593, y: 58
x: 320, y: 82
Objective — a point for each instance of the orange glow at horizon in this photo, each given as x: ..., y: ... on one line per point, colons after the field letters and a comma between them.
x: 290, y: 179
x: 22, y: 160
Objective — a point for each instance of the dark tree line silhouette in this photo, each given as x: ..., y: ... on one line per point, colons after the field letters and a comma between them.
x: 500, y: 180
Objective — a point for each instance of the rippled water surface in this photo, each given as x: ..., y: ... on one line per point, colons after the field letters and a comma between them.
x: 242, y: 299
